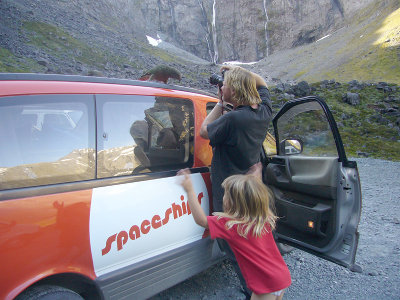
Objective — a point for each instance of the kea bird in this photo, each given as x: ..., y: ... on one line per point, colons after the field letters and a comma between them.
x: 161, y: 73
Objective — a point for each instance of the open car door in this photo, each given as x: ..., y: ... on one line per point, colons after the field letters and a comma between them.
x: 317, y: 190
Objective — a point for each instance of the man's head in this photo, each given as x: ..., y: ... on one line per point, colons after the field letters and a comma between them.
x: 240, y: 87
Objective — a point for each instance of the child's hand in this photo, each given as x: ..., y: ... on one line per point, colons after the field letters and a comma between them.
x: 198, y: 214
x: 186, y: 182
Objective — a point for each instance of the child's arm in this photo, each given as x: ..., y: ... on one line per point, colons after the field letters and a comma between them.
x: 198, y: 214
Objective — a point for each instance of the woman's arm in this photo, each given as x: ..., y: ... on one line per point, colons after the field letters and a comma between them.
x: 212, y: 116
x: 259, y: 80
x: 198, y: 214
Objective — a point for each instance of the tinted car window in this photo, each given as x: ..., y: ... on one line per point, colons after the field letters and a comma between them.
x: 138, y: 134
x: 308, y: 124
x: 46, y: 139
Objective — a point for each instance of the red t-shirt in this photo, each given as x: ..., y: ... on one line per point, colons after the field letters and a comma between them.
x: 259, y: 259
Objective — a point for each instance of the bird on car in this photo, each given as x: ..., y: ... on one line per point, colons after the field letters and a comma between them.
x: 161, y: 73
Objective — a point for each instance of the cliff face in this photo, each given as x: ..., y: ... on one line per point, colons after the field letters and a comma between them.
x: 245, y: 30
x: 215, y: 30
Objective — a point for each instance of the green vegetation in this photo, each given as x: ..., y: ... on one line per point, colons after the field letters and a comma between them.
x: 12, y: 64
x: 363, y: 127
x: 299, y: 74
x: 373, y: 52
x: 58, y: 43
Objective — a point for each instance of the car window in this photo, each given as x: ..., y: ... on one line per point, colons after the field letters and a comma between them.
x: 139, y: 134
x: 46, y: 139
x: 306, y: 123
x: 269, y: 143
x: 210, y: 106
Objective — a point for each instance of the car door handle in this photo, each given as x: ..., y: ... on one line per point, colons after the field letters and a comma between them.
x: 278, y: 161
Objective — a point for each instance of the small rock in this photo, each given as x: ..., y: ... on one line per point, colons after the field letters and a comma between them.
x: 373, y: 273
x: 362, y: 154
x: 95, y: 73
x: 43, y: 62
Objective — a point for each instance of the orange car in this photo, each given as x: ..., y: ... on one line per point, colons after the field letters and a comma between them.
x: 89, y: 204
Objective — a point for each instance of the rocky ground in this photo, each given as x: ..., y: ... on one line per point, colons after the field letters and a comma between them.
x: 313, y: 278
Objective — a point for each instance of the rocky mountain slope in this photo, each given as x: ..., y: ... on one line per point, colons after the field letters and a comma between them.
x: 366, y: 48
x: 304, y: 40
x: 245, y: 30
x: 355, y: 40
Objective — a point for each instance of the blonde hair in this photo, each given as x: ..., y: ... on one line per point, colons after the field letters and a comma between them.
x: 244, y: 85
x: 248, y: 203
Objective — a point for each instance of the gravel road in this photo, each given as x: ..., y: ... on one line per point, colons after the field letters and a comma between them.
x: 313, y: 278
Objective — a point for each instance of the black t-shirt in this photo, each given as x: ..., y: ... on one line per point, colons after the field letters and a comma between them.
x: 236, y: 138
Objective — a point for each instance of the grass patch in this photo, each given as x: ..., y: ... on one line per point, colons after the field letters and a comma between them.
x: 380, y: 57
x: 9, y: 63
x: 299, y: 74
x: 58, y: 43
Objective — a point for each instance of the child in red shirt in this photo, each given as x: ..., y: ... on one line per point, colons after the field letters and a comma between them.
x: 246, y: 224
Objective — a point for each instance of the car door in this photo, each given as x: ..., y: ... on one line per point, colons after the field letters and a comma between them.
x: 317, y: 190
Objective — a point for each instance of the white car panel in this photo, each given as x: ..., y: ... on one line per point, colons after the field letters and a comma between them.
x: 142, y: 220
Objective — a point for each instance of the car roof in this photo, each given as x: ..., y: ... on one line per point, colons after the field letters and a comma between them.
x: 92, y: 79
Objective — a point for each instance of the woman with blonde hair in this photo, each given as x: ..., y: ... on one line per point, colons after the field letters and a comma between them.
x: 244, y: 85
x: 237, y: 136
x: 246, y: 224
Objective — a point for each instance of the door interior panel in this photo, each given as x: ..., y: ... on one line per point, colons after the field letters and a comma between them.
x: 305, y: 190
x: 306, y: 175
x: 313, y: 170
x: 316, y: 189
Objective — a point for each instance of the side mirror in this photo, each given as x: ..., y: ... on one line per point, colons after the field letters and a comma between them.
x: 291, y: 146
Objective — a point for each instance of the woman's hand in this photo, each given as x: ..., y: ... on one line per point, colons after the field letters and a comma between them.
x: 225, y: 68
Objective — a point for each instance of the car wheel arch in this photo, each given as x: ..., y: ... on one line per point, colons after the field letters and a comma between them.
x: 75, y: 282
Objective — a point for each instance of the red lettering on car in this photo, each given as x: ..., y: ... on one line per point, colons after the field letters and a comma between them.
x: 200, y: 196
x: 183, y: 204
x: 155, y: 222
x: 166, y: 218
x: 177, y: 210
x: 122, y: 238
x: 145, y: 227
x: 109, y: 241
x: 134, y: 232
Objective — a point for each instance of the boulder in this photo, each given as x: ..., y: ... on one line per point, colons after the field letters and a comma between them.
x: 384, y: 86
x: 345, y: 117
x: 282, y: 87
x: 351, y: 98
x: 301, y: 89
x: 362, y: 154
x: 43, y: 62
x: 392, y: 98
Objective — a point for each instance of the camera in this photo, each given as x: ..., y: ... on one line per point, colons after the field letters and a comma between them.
x: 217, y: 79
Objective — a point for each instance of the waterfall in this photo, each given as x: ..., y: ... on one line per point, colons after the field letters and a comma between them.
x: 207, y: 29
x: 266, y: 28
x: 172, y: 12
x: 214, y: 32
